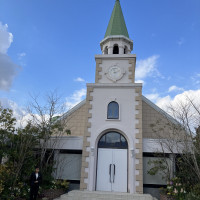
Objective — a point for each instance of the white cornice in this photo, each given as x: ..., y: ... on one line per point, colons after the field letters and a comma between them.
x: 107, y: 85
x: 116, y: 37
x: 115, y: 56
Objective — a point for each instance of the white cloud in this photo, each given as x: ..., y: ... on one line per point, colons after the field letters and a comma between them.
x: 75, y: 98
x: 152, y: 97
x: 140, y: 81
x: 6, y: 38
x: 6, y: 103
x: 20, y: 58
x: 18, y: 112
x: 21, y: 114
x: 183, y: 107
x: 165, y: 102
x: 79, y: 79
x: 196, y: 79
x: 175, y: 88
x: 147, y: 67
x: 8, y: 69
x: 21, y: 55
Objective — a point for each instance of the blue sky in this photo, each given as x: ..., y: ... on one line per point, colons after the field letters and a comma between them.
x: 47, y: 45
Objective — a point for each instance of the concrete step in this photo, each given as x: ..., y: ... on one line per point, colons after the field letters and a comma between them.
x: 96, y: 195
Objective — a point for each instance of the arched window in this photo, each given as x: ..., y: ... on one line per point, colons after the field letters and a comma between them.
x: 113, y: 110
x: 125, y: 50
x: 115, y: 49
x: 106, y: 50
x: 113, y: 140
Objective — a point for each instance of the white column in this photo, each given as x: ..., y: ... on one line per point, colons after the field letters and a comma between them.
x: 110, y: 50
x: 121, y: 50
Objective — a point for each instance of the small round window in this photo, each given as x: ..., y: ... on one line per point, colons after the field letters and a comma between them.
x: 113, y: 140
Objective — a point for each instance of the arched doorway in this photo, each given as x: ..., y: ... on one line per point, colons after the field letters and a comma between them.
x: 112, y: 163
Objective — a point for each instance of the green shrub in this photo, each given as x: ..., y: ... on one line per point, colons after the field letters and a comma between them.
x: 64, y: 184
x: 196, y: 189
x: 175, y: 189
x: 192, y: 196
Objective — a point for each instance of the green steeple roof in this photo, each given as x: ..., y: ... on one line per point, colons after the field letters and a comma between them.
x: 117, y: 25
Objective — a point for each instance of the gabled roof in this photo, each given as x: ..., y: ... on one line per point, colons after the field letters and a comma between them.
x: 151, y: 104
x: 117, y: 25
x: 72, y: 110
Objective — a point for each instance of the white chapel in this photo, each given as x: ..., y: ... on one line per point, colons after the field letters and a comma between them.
x: 111, y: 137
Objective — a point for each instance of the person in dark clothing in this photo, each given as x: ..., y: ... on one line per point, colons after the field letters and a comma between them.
x: 35, y: 181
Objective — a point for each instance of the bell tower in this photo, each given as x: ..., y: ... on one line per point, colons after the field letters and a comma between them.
x: 116, y: 47
x: 113, y: 116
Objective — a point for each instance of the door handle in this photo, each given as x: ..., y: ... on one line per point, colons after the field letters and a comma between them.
x: 110, y: 172
x: 114, y: 173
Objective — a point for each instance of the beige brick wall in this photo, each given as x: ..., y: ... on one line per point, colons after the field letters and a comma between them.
x: 75, y: 122
x: 151, y: 116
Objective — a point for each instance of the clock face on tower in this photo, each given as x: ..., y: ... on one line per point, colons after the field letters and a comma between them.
x: 115, y: 72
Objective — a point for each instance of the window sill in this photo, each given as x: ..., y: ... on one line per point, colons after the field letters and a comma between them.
x: 113, y: 120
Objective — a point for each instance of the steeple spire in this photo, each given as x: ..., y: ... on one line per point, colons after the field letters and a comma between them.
x: 117, y: 25
x: 116, y: 39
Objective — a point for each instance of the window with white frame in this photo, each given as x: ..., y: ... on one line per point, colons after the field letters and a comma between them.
x: 113, y: 110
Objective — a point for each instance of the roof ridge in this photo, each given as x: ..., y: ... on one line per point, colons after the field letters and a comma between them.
x: 73, y: 109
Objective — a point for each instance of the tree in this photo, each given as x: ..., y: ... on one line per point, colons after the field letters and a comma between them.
x: 7, y: 123
x: 182, y: 141
x: 17, y: 153
x: 50, y: 127
x: 30, y: 145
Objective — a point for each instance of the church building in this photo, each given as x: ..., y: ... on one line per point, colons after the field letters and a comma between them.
x: 111, y: 137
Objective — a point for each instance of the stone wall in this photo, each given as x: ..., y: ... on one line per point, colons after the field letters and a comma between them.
x: 75, y: 122
x: 151, y: 116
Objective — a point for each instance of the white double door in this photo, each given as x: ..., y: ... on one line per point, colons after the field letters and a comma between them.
x: 112, y: 170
